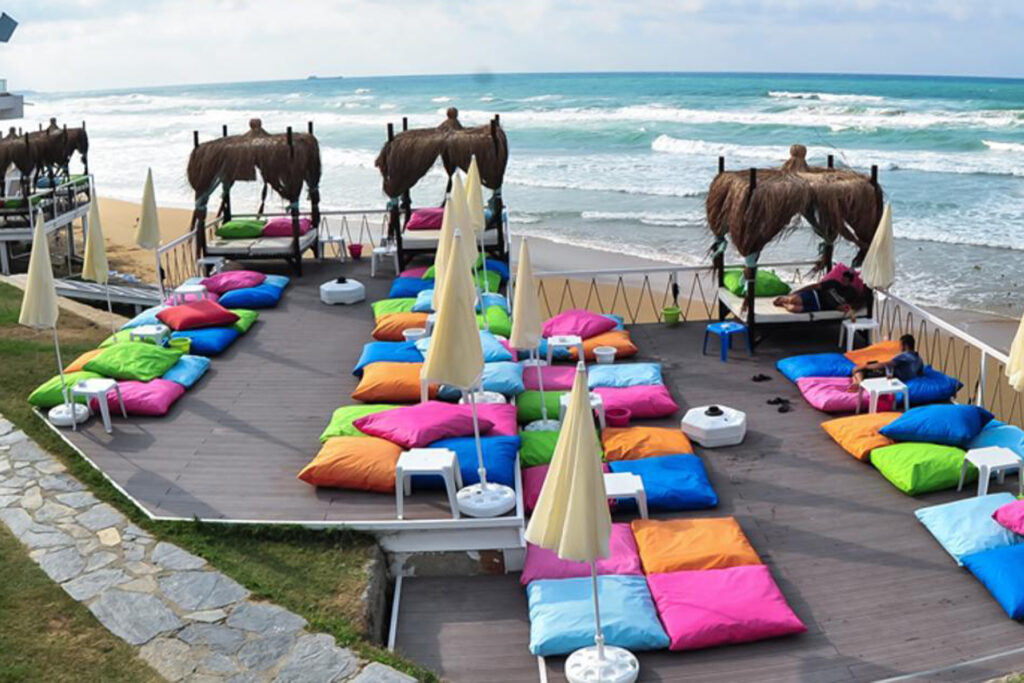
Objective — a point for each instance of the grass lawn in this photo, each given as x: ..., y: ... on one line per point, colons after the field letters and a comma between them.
x: 316, y: 574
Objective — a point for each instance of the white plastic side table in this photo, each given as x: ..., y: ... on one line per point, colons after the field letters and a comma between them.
x: 596, y: 403
x: 485, y: 397
x: 438, y: 461
x: 97, y: 388
x: 381, y: 254
x: 849, y: 330
x: 565, y: 341
x: 215, y: 264
x: 181, y: 294
x: 429, y: 327
x: 991, y: 460
x: 880, y: 386
x: 626, y: 485
x: 154, y: 333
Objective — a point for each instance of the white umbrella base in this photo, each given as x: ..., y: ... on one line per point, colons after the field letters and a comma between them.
x: 543, y: 426
x: 488, y: 500
x: 534, y: 363
x: 65, y: 416
x: 617, y: 666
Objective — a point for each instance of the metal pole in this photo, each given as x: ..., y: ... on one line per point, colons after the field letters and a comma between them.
x: 540, y: 385
x: 598, y: 633
x: 60, y: 370
x: 110, y: 307
x: 481, y: 470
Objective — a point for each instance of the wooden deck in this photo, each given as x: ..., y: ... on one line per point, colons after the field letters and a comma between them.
x: 879, y: 596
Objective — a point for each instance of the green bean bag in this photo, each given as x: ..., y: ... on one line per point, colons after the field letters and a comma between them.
x: 246, y: 318
x: 498, y: 321
x: 139, y: 361
x: 122, y: 336
x: 766, y: 283
x: 49, y: 394
x: 492, y: 279
x: 388, y: 306
x: 528, y: 405
x: 341, y: 421
x: 537, y: 448
x: 243, y: 228
x: 916, y: 468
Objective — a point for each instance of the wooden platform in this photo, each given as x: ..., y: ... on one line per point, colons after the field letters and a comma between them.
x: 879, y: 596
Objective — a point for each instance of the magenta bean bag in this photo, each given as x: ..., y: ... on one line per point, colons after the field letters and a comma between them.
x: 420, y: 425
x: 556, y: 377
x: 830, y: 395
x: 713, y: 607
x: 418, y: 271
x: 425, y: 219
x: 582, y: 323
x: 502, y: 417
x: 233, y: 279
x: 545, y: 564
x: 282, y: 226
x: 1011, y: 516
x: 644, y: 401
x: 533, y: 482
x: 152, y: 398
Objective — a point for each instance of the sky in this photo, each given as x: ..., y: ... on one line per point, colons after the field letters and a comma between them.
x: 72, y: 45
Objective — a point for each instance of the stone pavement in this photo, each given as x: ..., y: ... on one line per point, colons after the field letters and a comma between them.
x: 190, y: 622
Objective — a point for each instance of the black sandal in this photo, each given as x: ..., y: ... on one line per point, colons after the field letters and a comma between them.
x: 760, y: 378
x: 774, y: 401
x: 785, y: 407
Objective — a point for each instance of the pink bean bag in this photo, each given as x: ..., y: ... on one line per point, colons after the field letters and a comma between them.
x: 533, y: 482
x: 282, y: 226
x: 418, y: 271
x: 425, y: 219
x: 502, y: 417
x: 545, y: 564
x: 556, y: 377
x: 1011, y: 516
x: 233, y: 279
x: 830, y: 395
x: 422, y: 424
x: 643, y: 401
x: 152, y: 398
x: 719, y: 606
x: 837, y: 274
x: 582, y: 323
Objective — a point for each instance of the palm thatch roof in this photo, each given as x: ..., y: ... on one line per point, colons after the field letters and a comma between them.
x: 284, y: 160
x: 407, y: 157
x: 752, y: 207
x: 39, y: 149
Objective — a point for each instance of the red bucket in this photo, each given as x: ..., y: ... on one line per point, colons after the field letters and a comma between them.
x: 355, y: 251
x: 618, y: 417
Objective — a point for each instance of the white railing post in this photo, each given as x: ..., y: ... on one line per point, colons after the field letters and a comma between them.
x: 982, y: 379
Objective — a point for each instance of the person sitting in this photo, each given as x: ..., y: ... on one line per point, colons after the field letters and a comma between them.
x: 904, y: 366
x: 828, y: 295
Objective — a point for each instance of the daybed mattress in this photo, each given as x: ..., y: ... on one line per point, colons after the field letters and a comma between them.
x: 261, y: 246
x: 766, y: 312
x: 427, y: 239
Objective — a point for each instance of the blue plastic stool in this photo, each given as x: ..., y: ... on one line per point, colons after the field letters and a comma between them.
x: 725, y: 331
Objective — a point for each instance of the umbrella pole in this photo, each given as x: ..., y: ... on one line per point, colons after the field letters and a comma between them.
x: 110, y: 308
x: 481, y: 470
x: 540, y: 385
x: 60, y: 370
x: 484, y: 262
x: 598, y: 633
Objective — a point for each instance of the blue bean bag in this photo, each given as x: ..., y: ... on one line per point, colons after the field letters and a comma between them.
x: 562, y: 615
x: 392, y: 352
x: 624, y: 375
x: 499, y: 267
x: 932, y: 387
x: 146, y: 317
x: 1001, y: 571
x: 998, y: 433
x: 966, y: 527
x: 815, y: 365
x: 279, y: 281
x: 494, y: 350
x: 188, y: 370
x: 499, y: 459
x: 672, y: 482
x: 209, y: 341
x: 405, y: 287
x: 943, y: 423
x: 260, y: 296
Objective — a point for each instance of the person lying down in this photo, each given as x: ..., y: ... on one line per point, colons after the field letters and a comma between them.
x: 828, y: 295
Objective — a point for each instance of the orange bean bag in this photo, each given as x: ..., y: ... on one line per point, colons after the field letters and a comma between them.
x: 689, y: 544
x: 620, y: 339
x: 391, y: 326
x: 882, y: 352
x: 79, y: 363
x: 365, y: 463
x: 633, y: 443
x: 858, y: 434
x: 387, y: 382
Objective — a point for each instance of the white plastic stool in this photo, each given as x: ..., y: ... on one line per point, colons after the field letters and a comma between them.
x: 154, y: 333
x: 379, y: 255
x: 431, y: 319
x: 437, y: 461
x: 97, y: 388
x: 991, y: 460
x: 626, y: 485
x: 215, y: 264
x: 483, y: 397
x: 849, y: 330
x: 565, y: 341
x: 596, y: 403
x: 181, y: 294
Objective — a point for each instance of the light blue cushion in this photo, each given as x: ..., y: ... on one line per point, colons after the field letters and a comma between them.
x: 505, y: 377
x: 424, y: 300
x: 965, y: 527
x: 488, y: 300
x: 931, y: 387
x: 209, y: 341
x: 260, y: 296
x: 1001, y: 570
x: 188, y: 370
x: 1000, y: 434
x: 672, y: 482
x: 279, y: 281
x: 815, y: 365
x: 562, y: 615
x: 146, y: 317
x: 560, y: 353
x: 947, y: 424
x: 623, y: 375
x: 393, y: 352
x: 494, y: 351
x: 620, y: 322
x: 404, y: 287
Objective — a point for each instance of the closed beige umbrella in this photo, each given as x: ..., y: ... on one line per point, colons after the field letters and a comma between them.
x: 95, y: 266
x: 527, y: 330
x: 879, y: 269
x: 148, y: 236
x: 1015, y: 366
x: 475, y: 213
x: 572, y: 519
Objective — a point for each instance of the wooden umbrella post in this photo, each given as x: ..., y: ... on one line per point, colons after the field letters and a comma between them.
x: 719, y: 260
x: 750, y: 272
x: 406, y: 197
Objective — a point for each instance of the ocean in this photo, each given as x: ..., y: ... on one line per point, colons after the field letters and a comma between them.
x: 621, y: 162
